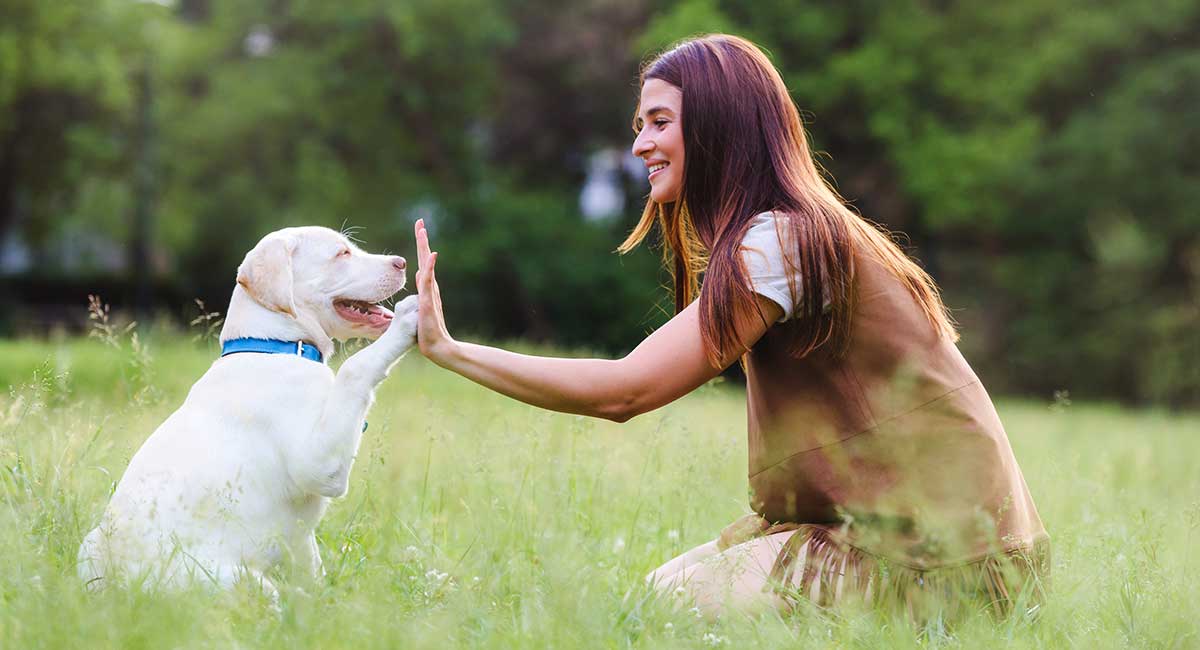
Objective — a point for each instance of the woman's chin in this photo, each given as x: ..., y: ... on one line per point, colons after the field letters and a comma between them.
x: 663, y: 196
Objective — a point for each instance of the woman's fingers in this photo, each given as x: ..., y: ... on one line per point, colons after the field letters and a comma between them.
x: 425, y: 258
x: 427, y: 282
x: 431, y: 329
x: 422, y: 236
x: 431, y: 282
x: 435, y: 294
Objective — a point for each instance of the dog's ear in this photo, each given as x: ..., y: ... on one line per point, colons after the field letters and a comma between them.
x: 266, y: 274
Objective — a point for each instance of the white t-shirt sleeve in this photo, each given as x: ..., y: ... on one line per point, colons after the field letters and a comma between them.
x: 768, y: 272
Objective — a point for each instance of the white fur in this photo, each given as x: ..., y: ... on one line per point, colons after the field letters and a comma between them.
x: 233, y: 483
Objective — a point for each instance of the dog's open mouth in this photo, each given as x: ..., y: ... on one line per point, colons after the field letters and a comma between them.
x: 363, y: 313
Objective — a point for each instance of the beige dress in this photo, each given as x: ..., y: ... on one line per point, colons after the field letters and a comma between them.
x: 891, y: 462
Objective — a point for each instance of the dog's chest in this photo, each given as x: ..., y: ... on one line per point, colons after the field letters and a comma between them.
x: 265, y: 392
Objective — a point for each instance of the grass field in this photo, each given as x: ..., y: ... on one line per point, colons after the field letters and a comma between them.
x: 475, y: 521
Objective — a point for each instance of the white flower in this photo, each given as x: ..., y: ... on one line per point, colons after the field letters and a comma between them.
x: 680, y: 592
x: 619, y: 545
x: 696, y: 612
x: 673, y: 535
x: 669, y: 626
x: 713, y: 640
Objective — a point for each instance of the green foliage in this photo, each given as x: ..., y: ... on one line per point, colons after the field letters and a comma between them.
x: 683, y: 19
x: 531, y: 266
x: 1040, y: 156
x: 475, y: 521
x: 1038, y: 153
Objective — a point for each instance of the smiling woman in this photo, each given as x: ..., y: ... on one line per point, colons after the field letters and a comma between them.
x: 660, y: 138
x: 878, y: 466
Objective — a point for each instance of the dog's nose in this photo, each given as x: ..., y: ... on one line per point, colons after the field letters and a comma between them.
x: 398, y: 263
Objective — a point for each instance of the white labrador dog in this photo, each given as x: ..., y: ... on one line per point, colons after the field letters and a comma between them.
x: 233, y: 483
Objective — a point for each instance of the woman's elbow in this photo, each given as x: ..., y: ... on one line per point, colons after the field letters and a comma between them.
x: 620, y: 417
x: 621, y: 410
x: 626, y: 394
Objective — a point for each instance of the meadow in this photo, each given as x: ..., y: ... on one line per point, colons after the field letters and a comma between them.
x: 475, y: 521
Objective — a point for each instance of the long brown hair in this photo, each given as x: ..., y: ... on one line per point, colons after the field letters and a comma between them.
x: 746, y: 153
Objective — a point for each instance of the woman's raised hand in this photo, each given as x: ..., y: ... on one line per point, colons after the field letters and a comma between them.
x: 432, y: 337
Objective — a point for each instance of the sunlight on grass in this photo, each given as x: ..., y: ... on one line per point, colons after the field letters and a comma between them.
x: 473, y: 520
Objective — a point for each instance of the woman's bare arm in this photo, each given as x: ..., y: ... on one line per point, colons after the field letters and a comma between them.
x: 667, y: 365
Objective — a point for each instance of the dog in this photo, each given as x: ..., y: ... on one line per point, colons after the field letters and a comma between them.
x: 232, y: 485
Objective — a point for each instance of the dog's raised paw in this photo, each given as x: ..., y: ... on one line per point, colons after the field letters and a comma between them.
x: 404, y: 321
x: 406, y: 307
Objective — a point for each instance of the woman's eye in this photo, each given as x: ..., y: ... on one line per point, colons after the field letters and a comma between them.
x: 660, y: 123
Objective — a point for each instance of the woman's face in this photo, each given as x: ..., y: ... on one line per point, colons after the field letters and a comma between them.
x: 659, y: 140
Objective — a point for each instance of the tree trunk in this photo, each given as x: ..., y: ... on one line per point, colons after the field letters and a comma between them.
x: 143, y: 195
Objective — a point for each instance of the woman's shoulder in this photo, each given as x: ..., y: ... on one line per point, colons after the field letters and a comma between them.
x: 768, y: 217
x: 762, y: 251
x: 771, y: 219
x: 761, y: 224
x: 770, y: 232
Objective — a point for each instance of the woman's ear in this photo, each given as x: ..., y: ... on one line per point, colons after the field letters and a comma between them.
x: 266, y: 274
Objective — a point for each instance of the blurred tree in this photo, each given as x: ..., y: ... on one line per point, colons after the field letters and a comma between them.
x: 1039, y: 155
x: 305, y: 112
x: 65, y: 100
x: 1042, y: 147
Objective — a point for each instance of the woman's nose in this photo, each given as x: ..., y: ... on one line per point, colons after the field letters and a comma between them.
x: 642, y: 146
x: 398, y: 263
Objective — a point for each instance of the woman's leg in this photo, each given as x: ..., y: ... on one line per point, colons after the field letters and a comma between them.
x: 735, y: 579
x: 681, y: 562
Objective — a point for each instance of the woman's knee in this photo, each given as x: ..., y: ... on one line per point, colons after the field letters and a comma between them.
x: 680, y: 562
x: 737, y: 579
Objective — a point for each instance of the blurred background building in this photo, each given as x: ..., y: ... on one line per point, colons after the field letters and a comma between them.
x: 1038, y: 156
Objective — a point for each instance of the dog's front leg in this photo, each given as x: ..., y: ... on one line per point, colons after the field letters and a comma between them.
x: 323, y: 465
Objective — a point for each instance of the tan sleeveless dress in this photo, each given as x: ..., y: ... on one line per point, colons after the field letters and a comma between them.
x: 891, y: 463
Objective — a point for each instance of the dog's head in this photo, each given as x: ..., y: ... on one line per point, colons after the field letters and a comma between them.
x: 320, y: 278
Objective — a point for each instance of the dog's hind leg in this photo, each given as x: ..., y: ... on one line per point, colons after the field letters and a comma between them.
x: 228, y: 576
x: 306, y: 558
x: 88, y: 561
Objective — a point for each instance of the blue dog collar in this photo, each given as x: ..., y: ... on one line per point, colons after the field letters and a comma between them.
x: 272, y: 346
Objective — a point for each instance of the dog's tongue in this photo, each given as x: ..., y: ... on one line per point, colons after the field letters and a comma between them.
x: 360, y: 312
x: 379, y: 315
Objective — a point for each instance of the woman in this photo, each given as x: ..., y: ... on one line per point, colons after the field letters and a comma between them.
x: 878, y: 465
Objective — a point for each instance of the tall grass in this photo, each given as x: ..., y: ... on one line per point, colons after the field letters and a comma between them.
x: 476, y: 521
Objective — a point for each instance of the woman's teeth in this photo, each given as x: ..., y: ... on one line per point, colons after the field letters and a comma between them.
x: 658, y: 167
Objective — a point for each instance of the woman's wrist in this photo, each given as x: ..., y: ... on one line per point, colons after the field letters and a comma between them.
x: 445, y: 353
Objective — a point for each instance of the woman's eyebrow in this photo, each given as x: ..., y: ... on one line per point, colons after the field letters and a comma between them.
x: 657, y: 109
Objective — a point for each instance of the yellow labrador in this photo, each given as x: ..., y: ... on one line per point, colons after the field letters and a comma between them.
x: 234, y: 482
